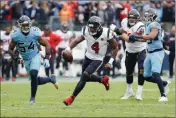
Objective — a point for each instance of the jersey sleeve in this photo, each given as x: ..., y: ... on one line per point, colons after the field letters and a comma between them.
x: 14, y: 34
x: 37, y: 32
x: 140, y: 29
x: 124, y: 23
x: 83, y: 31
x: 1, y: 35
x: 154, y: 25
x: 110, y: 34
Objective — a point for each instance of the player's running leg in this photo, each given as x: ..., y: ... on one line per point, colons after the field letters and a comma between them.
x: 34, y: 85
x: 89, y: 67
x: 33, y: 67
x: 44, y: 80
x: 155, y: 60
x: 141, y: 58
x: 130, y: 63
x: 80, y: 85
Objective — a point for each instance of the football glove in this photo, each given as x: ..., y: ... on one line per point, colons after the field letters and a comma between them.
x: 46, y: 63
x: 134, y: 37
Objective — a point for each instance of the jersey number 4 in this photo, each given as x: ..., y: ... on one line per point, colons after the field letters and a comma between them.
x: 95, y: 47
x: 23, y: 49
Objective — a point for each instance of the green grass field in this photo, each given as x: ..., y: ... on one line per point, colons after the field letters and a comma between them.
x: 92, y: 101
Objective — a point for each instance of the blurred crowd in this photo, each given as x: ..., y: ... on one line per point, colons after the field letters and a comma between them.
x: 76, y: 14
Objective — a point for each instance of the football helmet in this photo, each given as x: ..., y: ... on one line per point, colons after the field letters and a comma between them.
x: 133, y: 17
x: 24, y: 23
x: 94, y: 25
x: 150, y: 15
x: 64, y: 27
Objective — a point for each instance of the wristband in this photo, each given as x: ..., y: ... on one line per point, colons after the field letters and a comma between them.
x: 111, y: 61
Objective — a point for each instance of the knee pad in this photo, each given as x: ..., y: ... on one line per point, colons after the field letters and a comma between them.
x: 86, y: 76
x: 33, y: 74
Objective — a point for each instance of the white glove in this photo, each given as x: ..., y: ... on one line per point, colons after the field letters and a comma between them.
x: 112, y: 27
x: 46, y: 63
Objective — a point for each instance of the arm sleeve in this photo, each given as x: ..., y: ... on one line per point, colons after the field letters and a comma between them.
x: 155, y: 25
x: 38, y: 32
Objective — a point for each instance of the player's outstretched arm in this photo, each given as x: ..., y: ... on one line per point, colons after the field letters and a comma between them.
x: 152, y: 35
x: 11, y: 48
x: 47, y: 46
x: 75, y: 42
x: 113, y: 44
x: 118, y: 31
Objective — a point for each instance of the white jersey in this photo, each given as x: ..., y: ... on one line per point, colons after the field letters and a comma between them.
x: 96, y: 48
x: 65, y: 38
x: 6, y: 41
x: 137, y: 28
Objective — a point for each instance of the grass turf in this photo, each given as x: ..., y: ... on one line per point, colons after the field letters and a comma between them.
x: 94, y: 100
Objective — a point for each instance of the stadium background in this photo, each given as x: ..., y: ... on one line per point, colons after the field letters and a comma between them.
x: 77, y: 14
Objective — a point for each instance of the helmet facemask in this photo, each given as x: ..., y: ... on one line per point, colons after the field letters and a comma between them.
x: 149, y: 17
x: 132, y: 21
x: 94, y: 28
x: 25, y: 26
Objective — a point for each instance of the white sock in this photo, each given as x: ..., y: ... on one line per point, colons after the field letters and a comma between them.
x: 140, y: 88
x: 129, y: 88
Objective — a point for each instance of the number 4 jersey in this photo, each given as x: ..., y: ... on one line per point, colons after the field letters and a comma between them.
x: 96, y: 48
x: 27, y: 45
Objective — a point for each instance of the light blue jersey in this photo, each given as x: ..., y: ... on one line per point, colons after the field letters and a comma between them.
x: 27, y: 45
x: 154, y: 59
x: 157, y: 42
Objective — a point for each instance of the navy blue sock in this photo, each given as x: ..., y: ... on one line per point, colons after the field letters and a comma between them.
x: 149, y: 79
x: 157, y: 79
x: 94, y: 78
x: 34, y: 82
x: 43, y: 80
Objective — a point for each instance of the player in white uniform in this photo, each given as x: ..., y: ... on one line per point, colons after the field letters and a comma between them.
x: 135, y: 52
x: 97, y: 38
x: 66, y: 37
x: 7, y: 62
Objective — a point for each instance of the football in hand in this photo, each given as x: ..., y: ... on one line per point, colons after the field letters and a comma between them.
x: 67, y: 55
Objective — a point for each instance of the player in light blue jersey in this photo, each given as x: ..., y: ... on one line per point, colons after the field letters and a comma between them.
x: 155, y: 56
x: 26, y: 39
